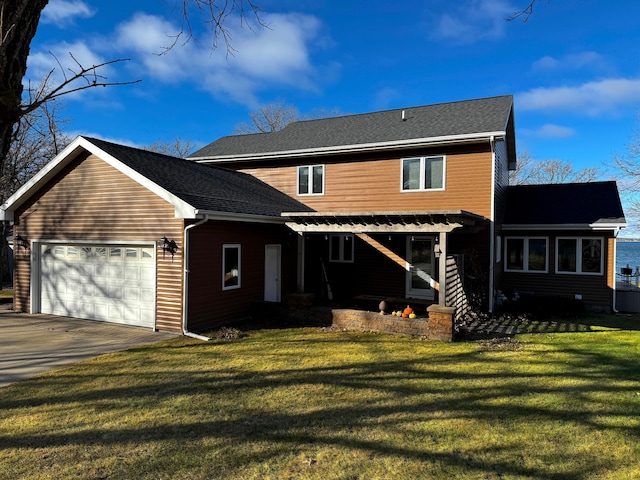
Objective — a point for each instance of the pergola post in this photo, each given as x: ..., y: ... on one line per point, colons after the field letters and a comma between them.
x: 442, y: 268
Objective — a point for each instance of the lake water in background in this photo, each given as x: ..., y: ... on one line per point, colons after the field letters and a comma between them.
x: 627, y: 253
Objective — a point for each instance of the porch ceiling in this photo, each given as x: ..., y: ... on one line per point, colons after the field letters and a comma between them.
x: 381, y: 222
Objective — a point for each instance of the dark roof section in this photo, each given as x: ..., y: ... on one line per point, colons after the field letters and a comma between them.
x: 432, y: 121
x: 205, y: 187
x: 561, y: 204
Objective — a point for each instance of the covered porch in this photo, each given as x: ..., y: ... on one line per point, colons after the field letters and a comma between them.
x: 406, y: 257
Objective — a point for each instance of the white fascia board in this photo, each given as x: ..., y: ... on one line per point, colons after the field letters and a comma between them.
x: 307, y: 152
x: 237, y: 217
x: 182, y: 209
x: 565, y: 227
x: 49, y: 170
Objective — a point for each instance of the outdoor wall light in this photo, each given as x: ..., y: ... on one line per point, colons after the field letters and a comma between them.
x: 168, y: 246
x: 21, y: 242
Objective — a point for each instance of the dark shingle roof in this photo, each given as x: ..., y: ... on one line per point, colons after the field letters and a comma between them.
x: 477, y: 116
x: 569, y: 203
x: 204, y: 187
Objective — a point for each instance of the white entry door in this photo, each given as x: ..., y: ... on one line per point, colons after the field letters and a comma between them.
x: 420, y: 267
x: 113, y: 283
x: 272, y: 260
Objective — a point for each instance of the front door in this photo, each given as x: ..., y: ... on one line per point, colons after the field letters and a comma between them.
x: 420, y: 267
x: 272, y: 259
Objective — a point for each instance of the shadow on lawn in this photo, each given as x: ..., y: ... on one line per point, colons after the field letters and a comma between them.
x: 509, y: 325
x: 399, y: 398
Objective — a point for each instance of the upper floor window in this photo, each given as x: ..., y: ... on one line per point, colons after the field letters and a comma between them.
x: 311, y: 180
x: 423, y: 173
x: 579, y: 255
x: 526, y: 254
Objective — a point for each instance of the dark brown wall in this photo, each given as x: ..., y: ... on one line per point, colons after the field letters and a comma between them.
x: 596, y: 290
x: 209, y: 305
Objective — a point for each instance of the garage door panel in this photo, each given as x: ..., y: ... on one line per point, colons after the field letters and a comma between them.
x: 109, y: 283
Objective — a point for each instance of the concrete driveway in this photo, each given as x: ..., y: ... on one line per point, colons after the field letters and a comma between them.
x: 33, y: 344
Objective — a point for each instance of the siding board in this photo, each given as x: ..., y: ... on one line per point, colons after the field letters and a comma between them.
x: 373, y: 184
x: 91, y: 201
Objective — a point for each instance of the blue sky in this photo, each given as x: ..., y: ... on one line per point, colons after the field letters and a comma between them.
x: 574, y: 67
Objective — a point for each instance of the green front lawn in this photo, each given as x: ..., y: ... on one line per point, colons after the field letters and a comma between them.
x: 322, y: 404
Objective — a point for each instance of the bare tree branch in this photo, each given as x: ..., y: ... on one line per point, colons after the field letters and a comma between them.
x: 90, y: 76
x: 534, y: 172
x: 275, y: 116
x: 523, y: 14
x: 216, y: 13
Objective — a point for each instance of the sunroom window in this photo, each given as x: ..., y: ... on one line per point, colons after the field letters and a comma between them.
x: 526, y: 254
x: 579, y: 255
x: 423, y: 173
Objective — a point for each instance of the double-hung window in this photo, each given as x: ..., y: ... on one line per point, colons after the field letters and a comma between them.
x: 579, y: 255
x: 341, y: 248
x: 231, y: 267
x: 311, y: 180
x: 423, y: 173
x: 526, y: 254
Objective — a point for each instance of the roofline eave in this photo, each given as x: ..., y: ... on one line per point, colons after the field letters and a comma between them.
x: 75, y: 148
x: 237, y: 217
x: 596, y: 226
x: 356, y: 148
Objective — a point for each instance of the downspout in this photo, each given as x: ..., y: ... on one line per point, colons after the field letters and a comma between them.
x: 492, y: 223
x: 185, y: 289
x: 615, y: 268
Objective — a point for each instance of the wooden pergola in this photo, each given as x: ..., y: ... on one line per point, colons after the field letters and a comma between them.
x: 362, y: 224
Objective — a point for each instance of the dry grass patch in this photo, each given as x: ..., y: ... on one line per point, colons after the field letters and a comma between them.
x: 314, y: 404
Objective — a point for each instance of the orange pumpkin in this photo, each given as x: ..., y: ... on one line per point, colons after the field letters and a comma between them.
x: 408, y: 310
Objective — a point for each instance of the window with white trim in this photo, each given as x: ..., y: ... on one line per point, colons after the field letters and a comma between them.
x: 526, y: 254
x: 311, y: 180
x: 341, y: 248
x: 231, y: 267
x: 579, y: 255
x: 423, y: 173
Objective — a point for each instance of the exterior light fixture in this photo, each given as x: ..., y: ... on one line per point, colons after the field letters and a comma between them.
x: 21, y: 242
x: 168, y: 246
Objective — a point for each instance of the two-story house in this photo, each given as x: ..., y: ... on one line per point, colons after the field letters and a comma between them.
x: 411, y: 205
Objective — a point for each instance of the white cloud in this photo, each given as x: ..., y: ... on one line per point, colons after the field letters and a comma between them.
x: 572, y: 61
x: 592, y: 98
x: 474, y: 20
x: 63, y: 12
x: 551, y: 130
x: 277, y: 55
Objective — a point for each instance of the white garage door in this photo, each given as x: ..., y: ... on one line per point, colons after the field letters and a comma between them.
x: 113, y: 283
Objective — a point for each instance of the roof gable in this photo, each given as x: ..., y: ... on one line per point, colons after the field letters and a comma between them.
x: 445, y: 122
x: 193, y: 189
x: 593, y: 205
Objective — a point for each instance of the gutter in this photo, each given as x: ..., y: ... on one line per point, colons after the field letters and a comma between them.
x: 377, y: 146
x: 185, y: 283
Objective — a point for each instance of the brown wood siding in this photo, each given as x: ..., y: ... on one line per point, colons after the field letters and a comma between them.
x: 210, y: 305
x: 92, y: 201
x: 373, y: 183
x: 596, y: 290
